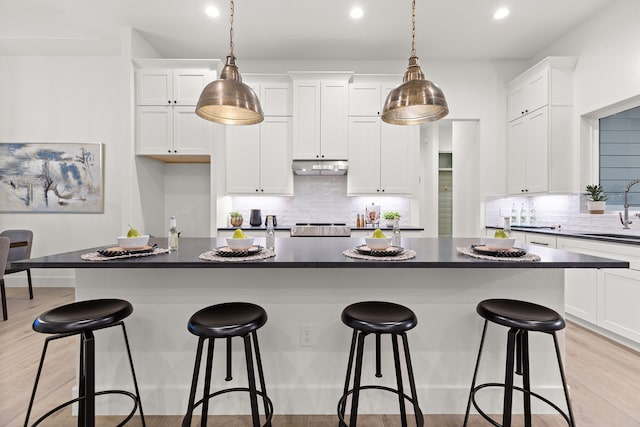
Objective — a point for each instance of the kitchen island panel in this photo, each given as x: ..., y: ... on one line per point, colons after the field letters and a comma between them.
x: 308, y: 380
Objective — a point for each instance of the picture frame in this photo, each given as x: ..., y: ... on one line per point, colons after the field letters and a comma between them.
x: 51, y: 178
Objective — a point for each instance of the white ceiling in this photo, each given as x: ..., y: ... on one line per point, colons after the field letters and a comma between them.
x: 291, y: 29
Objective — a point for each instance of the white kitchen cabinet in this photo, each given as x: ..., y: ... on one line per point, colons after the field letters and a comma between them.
x: 528, y: 153
x: 539, y: 148
x: 166, y: 124
x: 320, y: 112
x: 529, y: 95
x: 382, y: 157
x: 606, y: 297
x: 368, y: 98
x: 171, y: 130
x: 259, y: 158
x: 275, y: 95
x: 537, y: 239
x: 171, y: 86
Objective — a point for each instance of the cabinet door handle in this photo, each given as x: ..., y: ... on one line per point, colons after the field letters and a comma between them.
x: 168, y: 101
x: 175, y: 151
x: 383, y: 190
x: 257, y: 190
x: 539, y: 243
x: 175, y: 102
x: 168, y: 151
x: 262, y: 190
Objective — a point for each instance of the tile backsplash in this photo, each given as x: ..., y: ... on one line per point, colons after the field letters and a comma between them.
x: 320, y: 199
x: 568, y: 211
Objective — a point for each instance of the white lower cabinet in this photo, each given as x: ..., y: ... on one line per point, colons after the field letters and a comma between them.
x: 606, y: 297
x: 618, y: 296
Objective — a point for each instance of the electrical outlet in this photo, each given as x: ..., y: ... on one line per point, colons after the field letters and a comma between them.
x: 307, y: 336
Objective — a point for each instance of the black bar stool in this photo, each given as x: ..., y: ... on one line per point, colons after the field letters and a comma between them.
x: 378, y: 318
x: 228, y: 320
x: 521, y: 317
x: 83, y: 318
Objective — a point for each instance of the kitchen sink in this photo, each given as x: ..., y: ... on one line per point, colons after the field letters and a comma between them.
x: 614, y: 236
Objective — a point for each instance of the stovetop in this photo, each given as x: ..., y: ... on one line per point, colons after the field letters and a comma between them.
x: 320, y: 229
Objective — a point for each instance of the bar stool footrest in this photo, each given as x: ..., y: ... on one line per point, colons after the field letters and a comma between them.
x: 516, y: 388
x: 343, y: 402
x: 99, y: 393
x: 264, y: 397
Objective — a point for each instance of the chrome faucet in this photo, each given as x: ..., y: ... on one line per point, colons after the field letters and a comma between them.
x: 625, y: 221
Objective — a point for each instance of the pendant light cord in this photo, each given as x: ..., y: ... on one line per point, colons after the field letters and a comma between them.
x: 232, y: 6
x: 413, y: 28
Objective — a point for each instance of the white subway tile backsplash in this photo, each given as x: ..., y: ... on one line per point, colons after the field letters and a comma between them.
x: 320, y: 199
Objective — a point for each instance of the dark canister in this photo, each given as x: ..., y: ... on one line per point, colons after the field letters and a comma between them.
x: 256, y: 217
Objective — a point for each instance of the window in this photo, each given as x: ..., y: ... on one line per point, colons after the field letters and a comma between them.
x: 620, y: 155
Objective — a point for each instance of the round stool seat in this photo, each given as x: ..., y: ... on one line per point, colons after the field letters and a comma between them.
x: 379, y: 317
x: 521, y: 315
x: 229, y: 319
x: 82, y: 316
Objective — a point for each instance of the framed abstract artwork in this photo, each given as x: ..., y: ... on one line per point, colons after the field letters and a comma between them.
x: 51, y: 177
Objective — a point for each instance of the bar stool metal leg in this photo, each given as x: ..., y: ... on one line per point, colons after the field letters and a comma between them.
x: 412, y: 382
x: 396, y: 361
x: 571, y: 420
x: 263, y: 385
x: 508, y: 379
x: 207, y: 384
x: 342, y: 406
x: 475, y: 374
x: 357, y: 377
x: 186, y: 421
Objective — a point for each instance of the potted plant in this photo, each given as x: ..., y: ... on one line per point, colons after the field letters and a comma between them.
x: 597, y: 199
x: 389, y: 216
x: 235, y: 219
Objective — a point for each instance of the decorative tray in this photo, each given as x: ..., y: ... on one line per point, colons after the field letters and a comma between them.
x: 226, y: 251
x: 118, y: 251
x: 503, y: 253
x: 390, y: 251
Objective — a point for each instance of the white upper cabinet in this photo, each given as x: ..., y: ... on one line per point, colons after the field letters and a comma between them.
x: 171, y: 86
x: 540, y: 128
x: 166, y: 123
x: 320, y: 112
x: 368, y: 98
x: 382, y: 157
x: 529, y: 95
x: 274, y: 92
x: 259, y: 158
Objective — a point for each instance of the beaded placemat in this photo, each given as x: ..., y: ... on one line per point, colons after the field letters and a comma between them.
x: 529, y: 257
x: 95, y: 256
x: 213, y: 256
x: 407, y: 254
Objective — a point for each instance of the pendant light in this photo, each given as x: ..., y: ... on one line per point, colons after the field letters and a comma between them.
x: 416, y: 100
x: 228, y: 100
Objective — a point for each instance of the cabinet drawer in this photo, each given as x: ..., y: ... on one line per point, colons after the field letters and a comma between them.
x: 541, y: 240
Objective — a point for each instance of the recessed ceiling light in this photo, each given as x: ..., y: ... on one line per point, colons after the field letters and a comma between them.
x: 212, y: 12
x: 501, y: 13
x: 357, y: 13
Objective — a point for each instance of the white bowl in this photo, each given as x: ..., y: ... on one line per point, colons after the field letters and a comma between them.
x: 133, y: 242
x: 498, y: 243
x: 378, y: 243
x: 239, y: 244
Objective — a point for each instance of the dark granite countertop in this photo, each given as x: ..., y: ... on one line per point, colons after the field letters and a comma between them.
x: 263, y: 228
x: 627, y: 237
x: 326, y: 252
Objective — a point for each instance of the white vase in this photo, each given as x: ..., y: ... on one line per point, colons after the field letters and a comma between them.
x: 596, y: 207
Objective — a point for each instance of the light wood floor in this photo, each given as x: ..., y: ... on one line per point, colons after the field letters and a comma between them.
x: 604, y: 378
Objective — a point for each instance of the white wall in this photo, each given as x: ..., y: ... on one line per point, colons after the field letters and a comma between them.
x: 65, y: 99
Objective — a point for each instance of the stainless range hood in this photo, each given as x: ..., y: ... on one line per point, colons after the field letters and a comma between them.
x: 319, y: 167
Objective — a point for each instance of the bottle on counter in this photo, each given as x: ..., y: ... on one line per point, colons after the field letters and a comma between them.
x: 514, y: 215
x: 523, y: 215
x: 533, y: 217
x: 396, y: 239
x: 173, y: 235
x: 271, y: 234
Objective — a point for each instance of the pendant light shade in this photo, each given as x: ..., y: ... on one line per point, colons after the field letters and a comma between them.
x: 227, y: 100
x: 416, y: 100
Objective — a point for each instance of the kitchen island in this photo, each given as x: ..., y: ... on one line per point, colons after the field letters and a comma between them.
x: 306, y: 285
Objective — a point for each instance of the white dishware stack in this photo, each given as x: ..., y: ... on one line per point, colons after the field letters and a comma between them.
x: 271, y: 234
